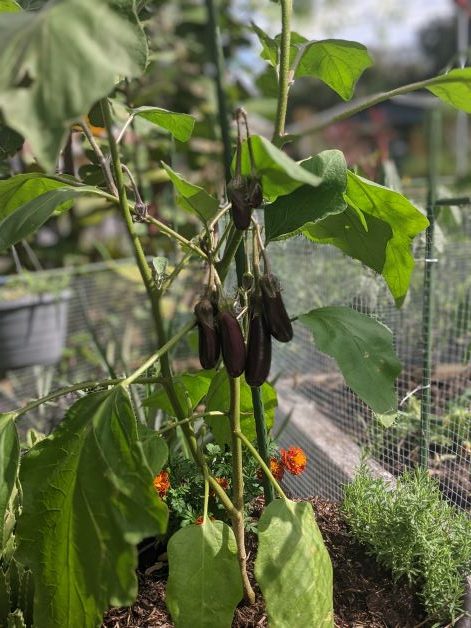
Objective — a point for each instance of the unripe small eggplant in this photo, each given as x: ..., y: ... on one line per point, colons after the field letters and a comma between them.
x: 238, y: 195
x: 255, y: 192
x: 209, y: 345
x: 274, y: 309
x: 258, y: 362
x: 232, y: 343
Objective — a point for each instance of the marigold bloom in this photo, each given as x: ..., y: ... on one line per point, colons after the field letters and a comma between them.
x: 294, y: 460
x: 277, y: 469
x: 223, y: 482
x: 199, y: 520
x: 162, y: 483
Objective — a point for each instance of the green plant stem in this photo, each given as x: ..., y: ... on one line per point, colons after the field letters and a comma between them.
x: 214, y: 41
x: 90, y: 384
x: 158, y: 354
x: 240, y: 435
x: 168, y: 231
x: 347, y: 111
x: 154, y: 297
x: 206, y: 499
x: 262, y: 443
x: 238, y: 487
x: 105, y: 166
x: 284, y: 72
x: 233, y: 242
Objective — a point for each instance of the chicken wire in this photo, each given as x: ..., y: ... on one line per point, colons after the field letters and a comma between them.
x: 109, y: 323
x: 323, y: 276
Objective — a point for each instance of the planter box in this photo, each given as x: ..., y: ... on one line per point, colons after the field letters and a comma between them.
x: 33, y: 330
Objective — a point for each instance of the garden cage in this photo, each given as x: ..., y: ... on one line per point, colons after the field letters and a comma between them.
x: 109, y: 310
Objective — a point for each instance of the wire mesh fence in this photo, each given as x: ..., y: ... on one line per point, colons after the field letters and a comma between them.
x: 109, y: 326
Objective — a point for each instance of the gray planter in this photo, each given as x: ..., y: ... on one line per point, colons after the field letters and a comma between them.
x: 33, y: 329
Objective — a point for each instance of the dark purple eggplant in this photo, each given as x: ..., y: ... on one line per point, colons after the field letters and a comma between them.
x: 209, y: 345
x: 238, y: 195
x: 232, y: 343
x: 258, y: 362
x: 274, y: 309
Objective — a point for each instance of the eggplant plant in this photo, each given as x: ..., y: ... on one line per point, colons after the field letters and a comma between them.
x: 74, y: 506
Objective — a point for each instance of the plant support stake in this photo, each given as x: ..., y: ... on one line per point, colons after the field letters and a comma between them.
x: 427, y: 307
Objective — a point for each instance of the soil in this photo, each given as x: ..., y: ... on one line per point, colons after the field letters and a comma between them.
x: 364, y: 594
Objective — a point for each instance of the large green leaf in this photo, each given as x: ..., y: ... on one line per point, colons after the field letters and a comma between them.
x: 43, y: 85
x: 377, y: 228
x: 361, y: 237
x: 154, y: 448
x: 204, y: 584
x: 9, y: 463
x: 192, y: 197
x: 9, y: 6
x: 288, y: 214
x: 88, y: 500
x: 22, y: 188
x: 336, y: 62
x: 404, y: 220
x: 219, y: 397
x: 293, y: 567
x: 363, y: 350
x: 280, y: 174
x: 180, y: 125
x: 190, y: 388
x: 454, y: 88
x: 23, y: 219
x: 270, y: 48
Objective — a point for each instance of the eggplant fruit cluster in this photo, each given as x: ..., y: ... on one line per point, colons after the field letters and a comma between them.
x: 219, y: 331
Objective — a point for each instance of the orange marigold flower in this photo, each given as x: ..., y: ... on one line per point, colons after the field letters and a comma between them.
x: 223, y: 482
x: 162, y: 483
x: 277, y: 469
x: 199, y: 520
x: 294, y: 460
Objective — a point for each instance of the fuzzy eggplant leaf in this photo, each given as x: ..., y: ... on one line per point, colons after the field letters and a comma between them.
x: 361, y: 237
x: 270, y: 48
x: 190, y: 388
x: 377, y: 228
x: 218, y: 398
x: 288, y: 215
x: 43, y: 85
x: 88, y: 499
x: 453, y: 88
x: 363, y: 349
x: 9, y: 464
x: 279, y: 173
x: 154, y: 448
x: 22, y: 188
x: 204, y: 583
x: 336, y: 62
x: 191, y: 197
x: 293, y: 567
x: 180, y: 125
x: 17, y: 221
x: 9, y: 6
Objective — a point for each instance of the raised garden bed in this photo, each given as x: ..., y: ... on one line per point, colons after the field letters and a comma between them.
x: 364, y: 593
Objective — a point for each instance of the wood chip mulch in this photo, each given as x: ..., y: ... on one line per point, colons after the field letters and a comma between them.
x: 364, y: 594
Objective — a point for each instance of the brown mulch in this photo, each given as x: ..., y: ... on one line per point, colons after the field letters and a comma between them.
x: 364, y: 594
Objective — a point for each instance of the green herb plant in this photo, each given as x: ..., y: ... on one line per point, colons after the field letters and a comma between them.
x: 414, y: 532
x: 84, y: 494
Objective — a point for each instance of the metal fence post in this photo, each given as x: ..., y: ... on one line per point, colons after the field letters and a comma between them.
x: 434, y: 137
